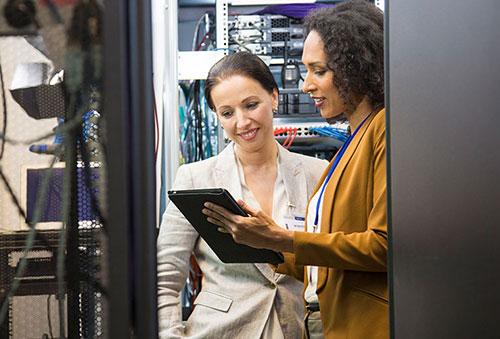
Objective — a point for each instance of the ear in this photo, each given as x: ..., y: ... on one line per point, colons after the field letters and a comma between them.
x: 275, y: 99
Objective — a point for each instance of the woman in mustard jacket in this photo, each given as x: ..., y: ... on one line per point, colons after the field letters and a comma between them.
x: 342, y: 253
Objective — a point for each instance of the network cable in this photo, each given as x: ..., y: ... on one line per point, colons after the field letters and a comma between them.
x: 332, y: 132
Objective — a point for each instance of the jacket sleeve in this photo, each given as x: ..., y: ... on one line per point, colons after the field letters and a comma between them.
x: 360, y: 251
x: 290, y: 268
x: 176, y: 242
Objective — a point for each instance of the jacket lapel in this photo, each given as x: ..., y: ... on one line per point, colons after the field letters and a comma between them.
x: 226, y: 172
x: 330, y: 190
x: 292, y: 173
x: 294, y: 179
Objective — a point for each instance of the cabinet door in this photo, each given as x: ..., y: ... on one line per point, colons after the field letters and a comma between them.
x: 443, y: 88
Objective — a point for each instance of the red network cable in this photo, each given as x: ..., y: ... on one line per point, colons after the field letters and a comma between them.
x: 291, y: 134
x: 285, y: 143
x: 291, y: 137
x: 295, y: 131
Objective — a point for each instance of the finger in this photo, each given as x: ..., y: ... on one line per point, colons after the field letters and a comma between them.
x: 219, y: 210
x: 215, y: 215
x: 222, y: 230
x: 247, y: 208
x: 216, y: 222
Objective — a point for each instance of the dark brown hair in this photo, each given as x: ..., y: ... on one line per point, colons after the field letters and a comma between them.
x: 353, y: 35
x: 240, y: 63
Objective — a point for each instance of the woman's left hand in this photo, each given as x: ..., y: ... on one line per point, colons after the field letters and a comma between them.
x: 257, y: 230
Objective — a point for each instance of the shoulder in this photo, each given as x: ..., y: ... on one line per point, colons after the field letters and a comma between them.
x: 308, y: 161
x: 201, y: 165
x: 312, y: 167
x: 378, y: 123
x: 224, y: 158
x: 187, y: 174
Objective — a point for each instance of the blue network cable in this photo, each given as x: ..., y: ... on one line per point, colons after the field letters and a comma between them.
x: 331, y: 132
x: 199, y: 126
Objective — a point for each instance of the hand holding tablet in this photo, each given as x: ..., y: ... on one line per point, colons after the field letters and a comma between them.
x: 190, y: 203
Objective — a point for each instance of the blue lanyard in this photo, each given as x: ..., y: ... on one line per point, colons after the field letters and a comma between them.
x: 334, y: 165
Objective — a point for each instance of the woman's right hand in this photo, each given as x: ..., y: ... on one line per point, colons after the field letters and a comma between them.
x: 257, y: 230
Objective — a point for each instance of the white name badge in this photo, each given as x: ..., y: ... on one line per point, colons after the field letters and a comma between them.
x: 294, y: 223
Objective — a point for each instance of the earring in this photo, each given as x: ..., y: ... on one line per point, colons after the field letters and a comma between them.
x: 275, y: 110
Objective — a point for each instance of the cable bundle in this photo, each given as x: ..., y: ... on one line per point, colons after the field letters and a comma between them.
x: 291, y: 135
x: 331, y: 132
x: 199, y: 126
x: 207, y: 40
x: 198, y: 123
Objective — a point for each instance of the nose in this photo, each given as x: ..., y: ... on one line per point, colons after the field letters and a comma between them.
x: 308, y: 85
x: 242, y: 119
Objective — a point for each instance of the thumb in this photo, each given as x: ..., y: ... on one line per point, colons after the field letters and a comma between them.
x: 245, y: 207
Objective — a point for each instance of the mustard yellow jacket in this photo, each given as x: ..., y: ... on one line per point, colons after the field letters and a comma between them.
x: 351, y: 248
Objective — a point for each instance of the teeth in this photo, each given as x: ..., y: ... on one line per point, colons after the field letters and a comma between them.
x: 316, y: 99
x: 249, y: 134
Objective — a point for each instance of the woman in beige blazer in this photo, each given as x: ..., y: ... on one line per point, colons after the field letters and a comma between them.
x: 237, y: 300
x: 342, y: 253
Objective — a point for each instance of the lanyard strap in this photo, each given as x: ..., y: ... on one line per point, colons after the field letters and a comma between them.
x: 334, y: 165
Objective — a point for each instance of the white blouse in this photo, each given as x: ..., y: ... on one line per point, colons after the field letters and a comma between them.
x: 280, y: 210
x: 312, y: 271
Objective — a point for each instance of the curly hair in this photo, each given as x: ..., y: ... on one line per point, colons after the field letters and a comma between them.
x: 353, y: 35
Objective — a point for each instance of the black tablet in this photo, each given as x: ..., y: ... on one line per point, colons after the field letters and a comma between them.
x: 190, y: 203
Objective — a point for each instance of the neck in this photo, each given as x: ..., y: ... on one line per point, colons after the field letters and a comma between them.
x: 364, y: 109
x: 267, y: 155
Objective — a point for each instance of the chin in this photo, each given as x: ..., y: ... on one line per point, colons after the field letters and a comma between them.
x: 335, y: 119
x: 332, y: 117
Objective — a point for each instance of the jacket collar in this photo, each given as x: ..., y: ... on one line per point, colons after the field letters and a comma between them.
x: 226, y: 172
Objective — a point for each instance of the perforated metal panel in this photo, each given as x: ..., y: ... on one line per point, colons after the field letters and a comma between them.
x: 35, y: 300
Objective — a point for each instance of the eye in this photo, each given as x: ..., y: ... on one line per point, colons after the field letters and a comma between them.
x: 252, y: 105
x: 226, y: 114
x: 320, y: 72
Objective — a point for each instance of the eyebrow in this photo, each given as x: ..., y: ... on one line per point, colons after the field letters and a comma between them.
x: 252, y: 97
x: 221, y: 108
x: 316, y: 64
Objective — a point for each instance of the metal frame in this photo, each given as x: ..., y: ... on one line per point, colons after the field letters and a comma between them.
x: 221, y: 33
x: 128, y: 110
x: 170, y: 96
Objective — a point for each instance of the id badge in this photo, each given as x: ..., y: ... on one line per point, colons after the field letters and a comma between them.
x: 294, y: 223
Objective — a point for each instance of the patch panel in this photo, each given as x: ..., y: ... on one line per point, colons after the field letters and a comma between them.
x: 308, y: 130
x: 313, y: 133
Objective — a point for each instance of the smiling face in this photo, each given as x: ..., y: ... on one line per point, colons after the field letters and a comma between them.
x: 319, y: 79
x: 245, y: 110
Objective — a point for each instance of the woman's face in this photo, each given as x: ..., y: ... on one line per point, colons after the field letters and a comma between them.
x: 319, y: 79
x: 245, y: 110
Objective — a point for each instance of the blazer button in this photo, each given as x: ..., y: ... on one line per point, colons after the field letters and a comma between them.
x: 271, y: 285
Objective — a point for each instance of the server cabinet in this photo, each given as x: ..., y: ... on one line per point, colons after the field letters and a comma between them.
x: 443, y: 101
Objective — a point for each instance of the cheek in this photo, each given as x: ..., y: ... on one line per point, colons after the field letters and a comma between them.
x: 225, y: 125
x: 266, y: 115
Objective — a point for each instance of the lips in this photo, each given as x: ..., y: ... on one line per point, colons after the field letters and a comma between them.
x: 318, y: 101
x: 249, y: 135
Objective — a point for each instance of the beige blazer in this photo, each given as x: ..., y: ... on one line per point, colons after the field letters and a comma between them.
x: 236, y: 299
x: 351, y: 249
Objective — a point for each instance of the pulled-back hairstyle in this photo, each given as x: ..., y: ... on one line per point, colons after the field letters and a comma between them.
x: 240, y: 63
x: 353, y: 35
